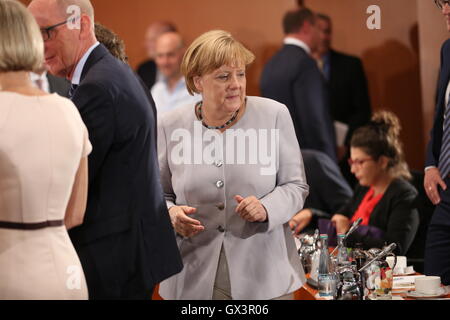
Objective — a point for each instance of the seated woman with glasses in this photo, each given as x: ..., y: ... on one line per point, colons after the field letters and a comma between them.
x: 384, y: 198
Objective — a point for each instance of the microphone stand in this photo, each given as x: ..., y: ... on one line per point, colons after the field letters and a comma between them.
x: 352, y: 229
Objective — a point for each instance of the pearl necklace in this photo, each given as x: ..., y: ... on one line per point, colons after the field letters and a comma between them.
x: 200, y: 116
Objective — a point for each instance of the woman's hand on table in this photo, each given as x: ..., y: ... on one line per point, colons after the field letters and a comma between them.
x: 251, y: 209
x: 300, y: 221
x: 341, y: 222
x: 184, y: 225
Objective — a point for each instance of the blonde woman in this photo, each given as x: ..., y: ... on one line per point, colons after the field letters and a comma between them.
x: 230, y: 203
x: 43, y: 171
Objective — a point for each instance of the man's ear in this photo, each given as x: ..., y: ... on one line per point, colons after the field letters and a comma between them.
x: 198, y: 82
x: 86, y: 25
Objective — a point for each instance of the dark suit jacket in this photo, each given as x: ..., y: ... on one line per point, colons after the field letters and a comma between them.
x: 147, y: 71
x: 349, y: 95
x: 395, y: 215
x: 328, y: 190
x: 59, y: 85
x: 434, y: 146
x: 293, y: 78
x: 126, y: 243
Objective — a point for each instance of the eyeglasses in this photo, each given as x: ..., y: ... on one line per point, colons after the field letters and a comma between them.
x: 357, y: 162
x: 441, y: 3
x: 46, y: 32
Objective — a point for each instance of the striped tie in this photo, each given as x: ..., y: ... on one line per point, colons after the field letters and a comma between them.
x: 73, y: 88
x: 444, y: 158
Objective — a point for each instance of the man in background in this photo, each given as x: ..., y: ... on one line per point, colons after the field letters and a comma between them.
x: 347, y: 88
x: 437, y: 170
x: 148, y: 70
x: 170, y: 91
x: 293, y: 78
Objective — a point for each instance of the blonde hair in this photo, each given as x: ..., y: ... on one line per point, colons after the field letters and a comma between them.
x: 209, y: 52
x: 381, y: 137
x: 21, y: 44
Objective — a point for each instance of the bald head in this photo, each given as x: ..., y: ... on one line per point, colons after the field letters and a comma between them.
x: 153, y: 32
x: 169, y: 39
x: 169, y: 54
x: 70, y: 32
x: 61, y: 8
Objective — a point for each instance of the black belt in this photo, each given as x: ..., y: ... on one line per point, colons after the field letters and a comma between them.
x: 31, y: 226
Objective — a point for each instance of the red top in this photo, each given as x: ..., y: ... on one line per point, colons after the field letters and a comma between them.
x: 366, y: 207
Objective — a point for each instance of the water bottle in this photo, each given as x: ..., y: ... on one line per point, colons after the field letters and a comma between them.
x: 315, y: 259
x: 342, y: 255
x: 326, y: 279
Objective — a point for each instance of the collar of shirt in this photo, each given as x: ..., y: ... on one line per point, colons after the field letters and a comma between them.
x: 34, y: 77
x: 79, y: 68
x: 298, y: 43
x: 181, y: 84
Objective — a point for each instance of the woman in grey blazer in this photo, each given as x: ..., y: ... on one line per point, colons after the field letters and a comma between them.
x: 233, y: 177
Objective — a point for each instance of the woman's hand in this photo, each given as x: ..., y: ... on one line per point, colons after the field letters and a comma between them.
x: 341, y: 222
x: 251, y: 209
x: 300, y: 221
x: 183, y: 225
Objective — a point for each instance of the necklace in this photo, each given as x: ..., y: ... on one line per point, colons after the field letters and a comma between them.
x: 200, y: 116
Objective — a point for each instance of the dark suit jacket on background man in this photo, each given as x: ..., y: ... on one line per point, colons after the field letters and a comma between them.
x: 349, y: 96
x: 293, y: 78
x: 126, y: 243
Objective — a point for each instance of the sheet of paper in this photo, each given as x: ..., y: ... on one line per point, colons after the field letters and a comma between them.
x: 341, y: 132
x: 406, y: 282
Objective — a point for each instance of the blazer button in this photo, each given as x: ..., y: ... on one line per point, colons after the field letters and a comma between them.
x: 218, y: 163
x: 220, y: 184
x: 220, y: 206
x: 221, y: 229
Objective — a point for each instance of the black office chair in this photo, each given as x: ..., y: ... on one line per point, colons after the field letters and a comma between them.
x: 425, y: 207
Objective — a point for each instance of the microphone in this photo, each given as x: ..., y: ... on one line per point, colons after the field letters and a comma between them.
x: 387, y: 250
x: 352, y: 229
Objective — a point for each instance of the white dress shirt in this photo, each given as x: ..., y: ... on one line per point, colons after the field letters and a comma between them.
x: 80, y: 65
x: 40, y: 81
x: 166, y: 99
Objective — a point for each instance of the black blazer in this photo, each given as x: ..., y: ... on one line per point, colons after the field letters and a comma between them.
x: 349, y: 95
x: 126, y: 243
x: 434, y: 146
x: 292, y: 77
x: 328, y: 190
x: 147, y: 71
x: 395, y: 214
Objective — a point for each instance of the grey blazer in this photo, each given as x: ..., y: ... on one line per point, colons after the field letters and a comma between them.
x: 205, y: 169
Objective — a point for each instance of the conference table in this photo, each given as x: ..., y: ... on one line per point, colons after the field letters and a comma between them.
x: 307, y: 292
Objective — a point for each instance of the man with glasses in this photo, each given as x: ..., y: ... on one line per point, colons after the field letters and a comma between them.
x: 437, y: 171
x: 126, y: 243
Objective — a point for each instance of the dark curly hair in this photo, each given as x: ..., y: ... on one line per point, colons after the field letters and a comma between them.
x: 381, y: 137
x: 111, y: 41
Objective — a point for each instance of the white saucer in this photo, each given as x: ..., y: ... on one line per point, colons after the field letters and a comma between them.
x: 418, y: 295
x: 404, y: 274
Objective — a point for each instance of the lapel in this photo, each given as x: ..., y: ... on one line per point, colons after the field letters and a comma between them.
x: 380, y: 208
x: 99, y: 52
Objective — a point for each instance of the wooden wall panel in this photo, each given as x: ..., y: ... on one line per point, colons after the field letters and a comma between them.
x: 401, y: 70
